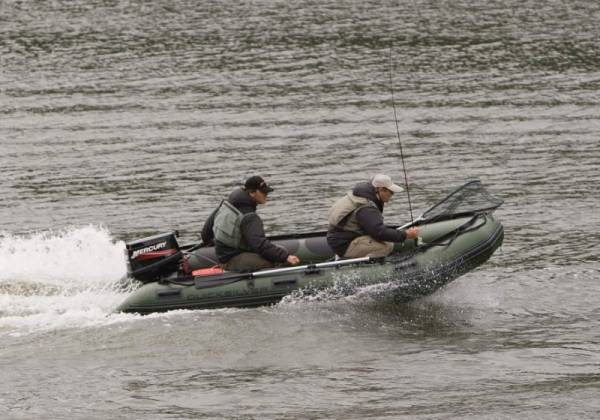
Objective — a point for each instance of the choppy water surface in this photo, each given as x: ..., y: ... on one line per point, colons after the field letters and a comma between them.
x: 121, y: 119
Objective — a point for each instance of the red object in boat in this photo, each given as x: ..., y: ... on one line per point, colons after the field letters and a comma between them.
x: 208, y: 271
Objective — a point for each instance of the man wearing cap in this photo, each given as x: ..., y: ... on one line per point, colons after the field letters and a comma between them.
x: 238, y: 232
x: 356, y: 227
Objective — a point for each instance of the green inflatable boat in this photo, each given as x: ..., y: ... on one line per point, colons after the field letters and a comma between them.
x: 457, y: 234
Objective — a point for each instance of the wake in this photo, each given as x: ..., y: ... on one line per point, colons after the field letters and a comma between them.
x: 60, y: 279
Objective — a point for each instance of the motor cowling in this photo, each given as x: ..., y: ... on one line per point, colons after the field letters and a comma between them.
x: 154, y: 257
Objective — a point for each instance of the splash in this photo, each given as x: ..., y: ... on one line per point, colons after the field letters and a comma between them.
x: 347, y: 285
x: 59, y: 279
x: 76, y: 257
x: 390, y: 288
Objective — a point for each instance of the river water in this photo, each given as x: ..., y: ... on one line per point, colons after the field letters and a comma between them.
x: 120, y: 119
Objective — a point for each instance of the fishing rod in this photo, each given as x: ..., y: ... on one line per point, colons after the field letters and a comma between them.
x: 399, y: 142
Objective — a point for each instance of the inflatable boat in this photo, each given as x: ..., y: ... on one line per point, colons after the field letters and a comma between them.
x: 457, y: 234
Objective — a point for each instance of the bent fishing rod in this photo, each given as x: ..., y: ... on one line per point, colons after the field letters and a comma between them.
x: 399, y: 142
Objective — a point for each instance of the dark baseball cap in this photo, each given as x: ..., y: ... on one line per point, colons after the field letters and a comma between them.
x: 256, y: 183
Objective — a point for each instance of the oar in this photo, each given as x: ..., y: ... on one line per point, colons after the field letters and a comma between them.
x: 338, y: 263
x: 220, y: 279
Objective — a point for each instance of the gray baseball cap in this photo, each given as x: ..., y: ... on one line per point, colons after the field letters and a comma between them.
x: 384, y: 181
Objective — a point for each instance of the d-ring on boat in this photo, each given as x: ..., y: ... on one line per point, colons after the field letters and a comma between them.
x: 457, y: 234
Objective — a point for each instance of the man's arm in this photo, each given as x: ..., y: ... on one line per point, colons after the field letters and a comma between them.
x: 371, y: 220
x: 254, y: 235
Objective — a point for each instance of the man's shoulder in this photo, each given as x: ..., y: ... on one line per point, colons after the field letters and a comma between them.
x: 250, y: 217
x: 368, y: 212
x: 247, y: 210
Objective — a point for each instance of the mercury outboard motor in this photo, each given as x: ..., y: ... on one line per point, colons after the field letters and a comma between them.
x: 152, y: 258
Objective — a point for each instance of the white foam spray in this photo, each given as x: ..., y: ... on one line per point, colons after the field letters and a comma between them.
x: 59, y: 279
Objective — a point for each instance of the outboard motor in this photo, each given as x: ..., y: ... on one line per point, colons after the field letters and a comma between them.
x: 152, y: 258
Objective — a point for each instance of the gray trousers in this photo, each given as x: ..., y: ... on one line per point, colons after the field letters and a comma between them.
x: 365, y: 246
x: 247, y: 262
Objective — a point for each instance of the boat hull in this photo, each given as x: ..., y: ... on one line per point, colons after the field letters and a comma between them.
x: 445, y: 251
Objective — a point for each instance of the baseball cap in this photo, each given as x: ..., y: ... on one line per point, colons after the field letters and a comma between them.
x: 256, y: 183
x: 381, y: 180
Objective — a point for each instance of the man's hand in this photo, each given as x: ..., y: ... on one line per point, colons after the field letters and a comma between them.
x: 412, y: 233
x: 293, y: 260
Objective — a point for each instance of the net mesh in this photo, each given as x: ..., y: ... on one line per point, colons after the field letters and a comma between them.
x: 470, y: 198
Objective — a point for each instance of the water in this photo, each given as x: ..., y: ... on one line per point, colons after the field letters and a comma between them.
x: 122, y: 119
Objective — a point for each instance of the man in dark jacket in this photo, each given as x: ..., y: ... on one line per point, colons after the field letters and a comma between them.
x: 238, y: 232
x: 356, y: 227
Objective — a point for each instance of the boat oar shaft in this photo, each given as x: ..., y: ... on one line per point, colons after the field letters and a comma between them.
x: 214, y: 281
x: 338, y: 263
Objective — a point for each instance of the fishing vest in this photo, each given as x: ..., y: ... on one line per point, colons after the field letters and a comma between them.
x: 227, y: 226
x: 343, y: 213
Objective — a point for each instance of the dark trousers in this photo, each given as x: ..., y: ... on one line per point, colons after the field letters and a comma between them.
x: 247, y: 262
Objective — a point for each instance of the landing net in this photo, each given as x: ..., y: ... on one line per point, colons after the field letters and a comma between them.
x: 471, y: 198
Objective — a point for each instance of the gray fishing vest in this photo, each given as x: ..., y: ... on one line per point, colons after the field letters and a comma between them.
x: 227, y: 226
x: 343, y: 213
